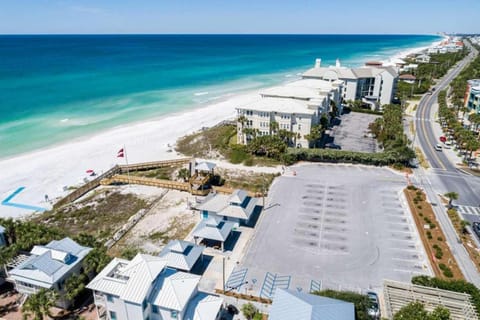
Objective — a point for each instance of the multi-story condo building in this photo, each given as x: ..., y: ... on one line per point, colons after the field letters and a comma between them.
x: 293, y: 115
x: 294, y: 107
x: 472, y: 96
x: 374, y: 85
x: 49, y: 267
x: 145, y: 288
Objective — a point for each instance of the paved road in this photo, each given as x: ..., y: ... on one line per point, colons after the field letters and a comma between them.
x: 444, y: 176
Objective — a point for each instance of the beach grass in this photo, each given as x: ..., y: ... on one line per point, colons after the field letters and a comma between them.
x: 100, y: 214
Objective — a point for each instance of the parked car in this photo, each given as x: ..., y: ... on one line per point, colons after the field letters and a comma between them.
x: 476, y: 228
x: 438, y: 147
x: 332, y: 146
x: 374, y: 308
x: 443, y: 139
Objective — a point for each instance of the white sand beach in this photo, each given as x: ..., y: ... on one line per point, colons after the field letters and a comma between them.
x: 48, y: 171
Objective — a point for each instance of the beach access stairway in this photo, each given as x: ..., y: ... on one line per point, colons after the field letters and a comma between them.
x: 119, y: 170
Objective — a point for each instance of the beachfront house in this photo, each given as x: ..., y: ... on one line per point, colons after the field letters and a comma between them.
x: 49, y: 267
x: 472, y: 101
x: 181, y: 255
x: 288, y: 304
x: 423, y: 58
x: 375, y: 85
x: 237, y: 207
x: 145, y: 288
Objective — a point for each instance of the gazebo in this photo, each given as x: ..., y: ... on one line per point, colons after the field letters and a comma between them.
x: 213, y: 228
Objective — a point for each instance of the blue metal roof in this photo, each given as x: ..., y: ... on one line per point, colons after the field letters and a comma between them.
x: 289, y: 305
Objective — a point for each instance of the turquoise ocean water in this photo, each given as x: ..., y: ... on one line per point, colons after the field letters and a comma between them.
x: 55, y: 88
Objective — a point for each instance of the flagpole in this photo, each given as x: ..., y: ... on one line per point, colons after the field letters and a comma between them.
x: 126, y: 161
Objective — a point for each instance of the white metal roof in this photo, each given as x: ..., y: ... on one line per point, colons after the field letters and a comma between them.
x: 237, y: 205
x: 130, y: 280
x: 213, y: 229
x: 203, y: 307
x: 289, y: 305
x: 176, y: 290
x: 282, y: 105
x: 48, y: 264
x: 181, y: 255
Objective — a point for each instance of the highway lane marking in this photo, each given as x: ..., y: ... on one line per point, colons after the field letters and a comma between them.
x: 426, y: 136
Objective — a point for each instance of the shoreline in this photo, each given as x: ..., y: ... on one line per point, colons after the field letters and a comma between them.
x: 49, y: 170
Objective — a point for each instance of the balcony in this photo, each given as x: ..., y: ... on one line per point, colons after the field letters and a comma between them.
x: 100, y: 300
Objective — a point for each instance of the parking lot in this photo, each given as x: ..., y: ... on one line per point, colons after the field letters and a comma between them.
x: 335, y: 226
x: 352, y: 133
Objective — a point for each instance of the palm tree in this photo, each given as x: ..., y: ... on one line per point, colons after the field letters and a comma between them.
x: 273, y: 127
x: 38, y: 305
x: 451, y: 196
x: 242, y: 120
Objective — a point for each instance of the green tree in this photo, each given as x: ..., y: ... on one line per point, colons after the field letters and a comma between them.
x: 451, y: 196
x: 95, y: 261
x: 360, y: 301
x: 38, y: 305
x: 184, y: 174
x: 249, y: 310
x: 74, y: 286
x: 416, y: 311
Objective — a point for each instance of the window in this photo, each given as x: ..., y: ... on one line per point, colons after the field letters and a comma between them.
x: 144, y: 304
x: 173, y: 314
x: 113, y: 315
x: 204, y: 214
x: 109, y: 298
x: 155, y: 309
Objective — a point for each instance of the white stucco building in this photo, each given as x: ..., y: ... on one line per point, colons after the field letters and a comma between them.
x: 371, y: 84
x: 145, y: 288
x: 294, y: 115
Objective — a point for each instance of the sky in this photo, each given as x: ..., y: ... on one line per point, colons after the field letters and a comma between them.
x: 239, y: 16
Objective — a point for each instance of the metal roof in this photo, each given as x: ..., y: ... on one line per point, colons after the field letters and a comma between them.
x: 130, y: 280
x: 289, y: 305
x: 213, y: 228
x: 176, y: 289
x: 237, y: 205
x: 48, y: 264
x: 203, y: 307
x: 181, y: 255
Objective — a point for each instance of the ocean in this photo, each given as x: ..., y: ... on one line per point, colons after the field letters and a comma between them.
x: 54, y: 88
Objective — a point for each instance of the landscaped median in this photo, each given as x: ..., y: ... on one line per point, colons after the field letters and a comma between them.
x: 465, y: 236
x: 441, y: 258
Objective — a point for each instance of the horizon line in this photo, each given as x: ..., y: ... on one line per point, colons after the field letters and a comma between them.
x: 228, y: 34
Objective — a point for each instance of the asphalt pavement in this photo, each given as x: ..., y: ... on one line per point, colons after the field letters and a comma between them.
x: 443, y: 176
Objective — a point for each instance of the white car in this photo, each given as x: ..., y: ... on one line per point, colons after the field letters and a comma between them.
x: 438, y: 147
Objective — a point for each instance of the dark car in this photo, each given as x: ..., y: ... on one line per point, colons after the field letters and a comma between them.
x: 476, y: 228
x: 332, y: 146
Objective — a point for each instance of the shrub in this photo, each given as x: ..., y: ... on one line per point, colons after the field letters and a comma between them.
x: 429, y: 235
x: 432, y: 225
x: 448, y: 273
x: 420, y: 214
x: 412, y: 187
x: 440, y: 239
x: 452, y: 285
x: 419, y: 207
x: 238, y: 155
x: 248, y: 162
x: 427, y: 220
